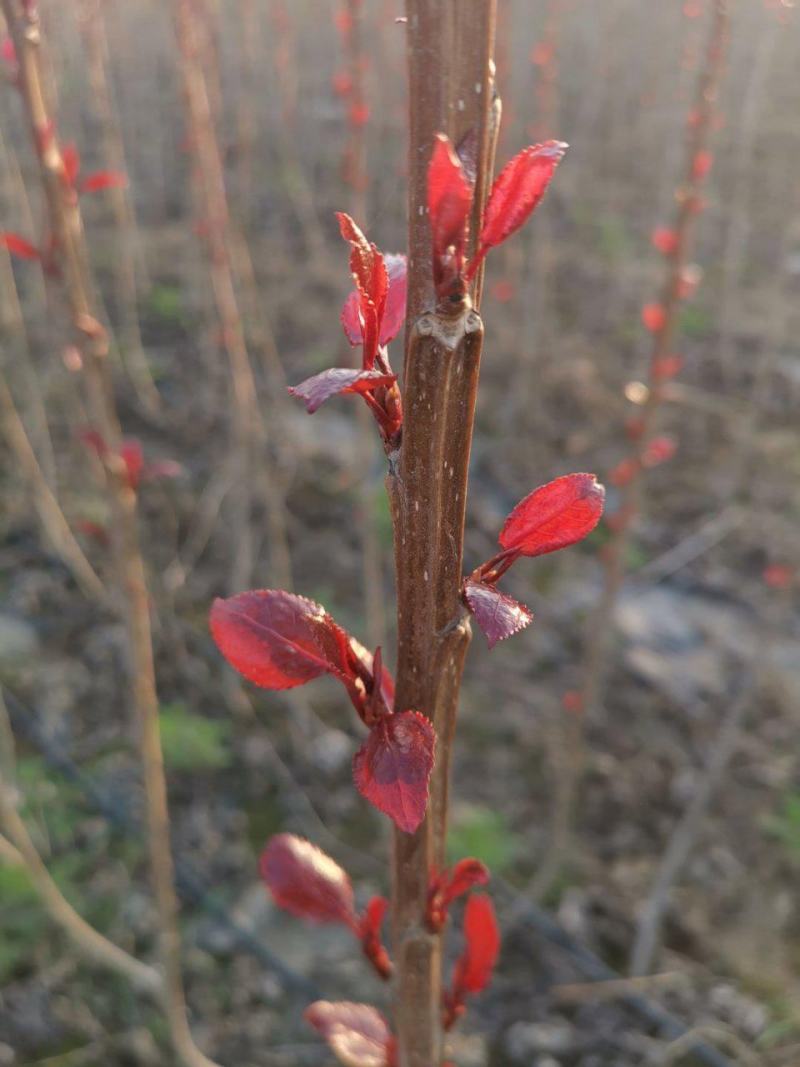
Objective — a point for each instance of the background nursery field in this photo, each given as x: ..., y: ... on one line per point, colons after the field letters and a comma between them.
x: 627, y: 766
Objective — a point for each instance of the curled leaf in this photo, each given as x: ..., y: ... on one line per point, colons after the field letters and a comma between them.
x: 449, y: 204
x: 357, y: 1034
x: 554, y: 516
x: 370, y: 932
x: 392, y: 769
x: 499, y: 616
x: 316, y: 390
x: 306, y: 882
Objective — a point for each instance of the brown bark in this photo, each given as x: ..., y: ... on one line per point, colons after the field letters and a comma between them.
x: 450, y: 81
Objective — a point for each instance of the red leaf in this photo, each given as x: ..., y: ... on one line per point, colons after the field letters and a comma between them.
x: 518, y: 189
x: 392, y: 769
x: 394, y: 310
x: 370, y: 932
x: 466, y: 874
x: 624, y: 472
x: 449, y: 204
x: 94, y: 440
x: 278, y: 640
x: 498, y: 615
x: 664, y: 240
x: 701, y: 164
x: 321, y: 387
x: 307, y: 882
x: 103, y: 179
x: 18, y: 246
x: 352, y: 320
x: 473, y: 970
x: 8, y: 52
x: 72, y: 163
x: 666, y: 367
x: 342, y: 83
x: 778, y: 576
x: 654, y: 317
x: 659, y: 450
x: 372, y: 281
x: 449, y: 885
x: 357, y: 1034
x: 132, y: 457
x: 394, y: 314
x: 358, y: 115
x: 554, y: 516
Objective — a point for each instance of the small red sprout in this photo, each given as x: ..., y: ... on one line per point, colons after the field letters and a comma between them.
x: 309, y: 884
x: 552, y: 517
x: 473, y: 969
x: 278, y: 640
x: 664, y: 240
x: 372, y: 316
x: 516, y: 193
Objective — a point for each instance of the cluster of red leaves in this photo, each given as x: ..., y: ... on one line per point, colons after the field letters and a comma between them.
x: 74, y: 185
x: 278, y: 641
x: 136, y: 469
x: 550, y: 518
x: 473, y: 968
x: 372, y: 316
x: 516, y: 192
x: 308, y: 883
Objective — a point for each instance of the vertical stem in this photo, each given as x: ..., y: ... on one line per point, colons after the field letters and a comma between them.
x: 67, y: 229
x: 450, y: 81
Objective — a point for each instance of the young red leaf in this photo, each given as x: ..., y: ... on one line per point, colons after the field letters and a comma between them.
x: 624, y: 472
x: 95, y: 441
x: 278, y: 640
x: 778, y: 576
x: 372, y: 281
x: 499, y: 616
x: 357, y: 1034
x: 654, y: 317
x: 473, y: 970
x: 392, y: 769
x: 394, y: 310
x: 72, y: 163
x: 18, y: 246
x: 701, y: 164
x: 133, y: 458
x: 307, y: 882
x: 370, y: 933
x: 666, y: 367
x: 449, y: 204
x: 554, y: 516
x: 659, y: 450
x: 103, y: 179
x: 9, y: 53
x: 664, y: 240
x: 321, y: 387
x: 465, y: 875
x: 367, y: 664
x: 517, y: 191
x: 394, y: 313
x: 451, y: 884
